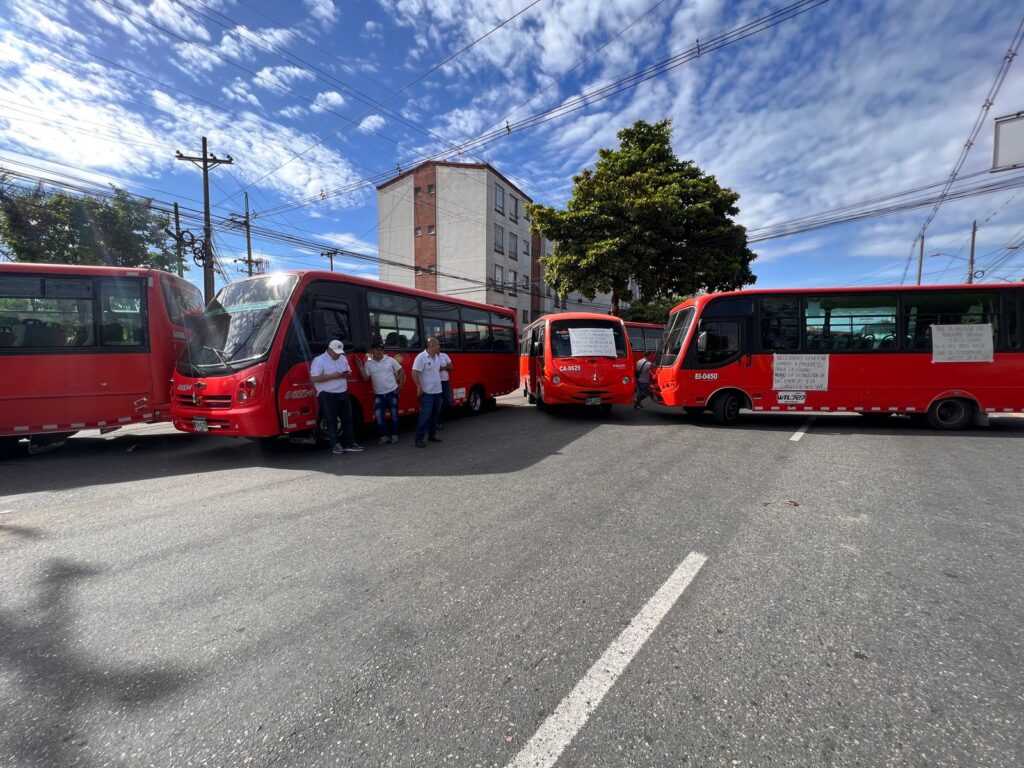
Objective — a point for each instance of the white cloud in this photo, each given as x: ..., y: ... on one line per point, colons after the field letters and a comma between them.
x: 240, y: 91
x: 292, y: 112
x: 323, y: 11
x: 282, y: 77
x: 373, y: 29
x: 371, y: 123
x: 328, y: 100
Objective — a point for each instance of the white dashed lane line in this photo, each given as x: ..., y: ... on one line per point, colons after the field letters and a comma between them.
x: 554, y: 735
x: 802, y: 431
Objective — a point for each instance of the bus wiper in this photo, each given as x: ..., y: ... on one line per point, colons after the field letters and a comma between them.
x: 220, y: 355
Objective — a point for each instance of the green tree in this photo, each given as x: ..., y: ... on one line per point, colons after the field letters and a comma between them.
x: 642, y: 217
x: 58, y: 228
x: 653, y: 310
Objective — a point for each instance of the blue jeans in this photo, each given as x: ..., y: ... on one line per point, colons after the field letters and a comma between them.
x: 430, y: 410
x: 333, y: 405
x: 382, y: 402
x: 446, y: 399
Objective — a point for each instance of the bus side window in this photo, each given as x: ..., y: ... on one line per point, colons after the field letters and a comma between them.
x: 718, y: 342
x: 652, y: 339
x: 780, y: 323
x: 1013, y: 303
x: 325, y: 324
x: 122, y: 313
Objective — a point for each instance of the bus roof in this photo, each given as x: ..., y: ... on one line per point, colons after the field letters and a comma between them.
x: 636, y: 324
x: 24, y: 267
x: 306, y: 275
x: 573, y: 316
x: 699, y: 301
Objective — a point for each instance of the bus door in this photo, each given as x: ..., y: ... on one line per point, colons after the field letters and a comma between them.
x: 720, y: 355
x: 535, y: 366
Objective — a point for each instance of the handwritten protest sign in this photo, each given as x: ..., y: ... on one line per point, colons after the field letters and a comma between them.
x: 962, y: 343
x: 800, y: 372
x: 592, y: 342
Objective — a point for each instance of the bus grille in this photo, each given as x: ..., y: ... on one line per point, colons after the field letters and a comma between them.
x: 206, y: 401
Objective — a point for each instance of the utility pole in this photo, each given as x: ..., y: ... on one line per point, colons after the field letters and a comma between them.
x: 179, y: 250
x: 330, y: 255
x: 920, y: 261
x: 970, y: 261
x: 206, y: 162
x: 248, y: 237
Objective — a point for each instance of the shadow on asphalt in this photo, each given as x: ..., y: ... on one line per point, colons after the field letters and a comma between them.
x: 507, y: 439
x: 53, y: 686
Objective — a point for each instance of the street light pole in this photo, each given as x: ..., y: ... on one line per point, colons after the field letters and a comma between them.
x: 970, y: 261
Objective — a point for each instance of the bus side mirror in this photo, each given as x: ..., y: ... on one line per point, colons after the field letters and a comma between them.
x: 702, y: 341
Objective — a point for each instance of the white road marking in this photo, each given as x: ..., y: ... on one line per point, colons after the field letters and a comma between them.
x: 802, y: 431
x: 554, y: 735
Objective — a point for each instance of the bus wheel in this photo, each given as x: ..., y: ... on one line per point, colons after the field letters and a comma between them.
x: 38, y: 444
x: 951, y: 413
x: 530, y: 398
x: 475, y: 401
x: 693, y: 410
x: 726, y: 408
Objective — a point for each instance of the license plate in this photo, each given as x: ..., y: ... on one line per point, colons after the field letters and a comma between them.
x: 593, y: 401
x: 199, y: 424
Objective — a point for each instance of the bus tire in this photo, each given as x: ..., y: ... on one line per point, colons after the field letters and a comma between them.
x: 52, y: 441
x: 541, y: 405
x: 950, y: 413
x: 726, y: 408
x: 530, y: 398
x: 694, y: 410
x: 475, y: 403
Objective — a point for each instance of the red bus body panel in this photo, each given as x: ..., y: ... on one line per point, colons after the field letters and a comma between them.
x: 893, y: 382
x: 637, y: 352
x: 291, y: 406
x: 579, y: 378
x: 66, y: 389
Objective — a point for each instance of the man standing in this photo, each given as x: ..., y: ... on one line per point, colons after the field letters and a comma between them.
x: 426, y: 373
x: 329, y: 373
x: 446, y: 387
x: 387, y: 377
x: 643, y: 379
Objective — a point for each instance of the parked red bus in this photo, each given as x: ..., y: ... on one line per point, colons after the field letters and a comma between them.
x: 88, y: 347
x: 945, y: 351
x: 643, y: 338
x: 576, y: 358
x: 246, y: 371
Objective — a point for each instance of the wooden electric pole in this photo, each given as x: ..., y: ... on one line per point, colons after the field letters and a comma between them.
x: 206, y: 162
x: 248, y: 237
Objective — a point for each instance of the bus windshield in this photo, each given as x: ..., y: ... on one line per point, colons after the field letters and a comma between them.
x: 561, y: 338
x: 675, y: 334
x: 239, y: 325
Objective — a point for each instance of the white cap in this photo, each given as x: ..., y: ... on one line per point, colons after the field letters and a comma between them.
x: 337, y: 346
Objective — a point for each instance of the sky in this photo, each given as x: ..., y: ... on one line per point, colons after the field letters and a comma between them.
x: 316, y: 101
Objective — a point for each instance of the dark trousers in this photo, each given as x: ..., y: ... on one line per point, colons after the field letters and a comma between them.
x: 430, y: 411
x: 381, y: 403
x: 446, y: 400
x: 332, y: 406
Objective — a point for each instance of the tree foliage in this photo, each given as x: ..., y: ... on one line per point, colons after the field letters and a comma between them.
x: 58, y: 228
x: 643, y: 218
x: 654, y: 310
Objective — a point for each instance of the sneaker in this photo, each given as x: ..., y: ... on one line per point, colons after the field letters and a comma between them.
x: 394, y: 439
x: 336, y: 448
x: 383, y: 441
x: 354, y: 448
x: 420, y: 444
x: 434, y: 439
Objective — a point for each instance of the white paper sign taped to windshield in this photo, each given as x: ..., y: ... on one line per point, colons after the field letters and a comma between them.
x: 591, y: 342
x: 800, y: 372
x: 962, y: 343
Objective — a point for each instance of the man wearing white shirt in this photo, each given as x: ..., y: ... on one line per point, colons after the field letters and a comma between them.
x: 329, y: 373
x: 446, y: 387
x: 387, y: 377
x: 426, y: 373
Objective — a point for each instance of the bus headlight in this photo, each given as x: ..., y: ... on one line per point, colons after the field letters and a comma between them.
x: 247, y: 389
x: 625, y: 379
x: 556, y: 379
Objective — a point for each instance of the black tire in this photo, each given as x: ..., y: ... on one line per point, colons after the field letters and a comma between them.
x: 726, y: 408
x: 541, y: 405
x: 693, y: 410
x: 52, y: 441
x: 475, y: 403
x: 530, y: 398
x: 950, y: 413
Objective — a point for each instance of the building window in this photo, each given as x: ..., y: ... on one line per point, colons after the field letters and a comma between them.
x: 499, y: 198
x: 526, y: 282
x: 499, y: 238
x: 526, y: 316
x: 499, y: 277
x: 431, y: 189
x: 430, y: 229
x: 526, y: 248
x: 417, y: 191
x: 419, y: 231
x: 512, y: 277
x: 513, y: 245
x: 513, y: 207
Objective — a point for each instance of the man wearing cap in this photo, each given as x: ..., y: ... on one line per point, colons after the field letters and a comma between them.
x: 329, y: 373
x: 426, y: 373
x: 387, y: 377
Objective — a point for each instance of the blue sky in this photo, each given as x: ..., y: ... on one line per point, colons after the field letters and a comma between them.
x: 846, y: 102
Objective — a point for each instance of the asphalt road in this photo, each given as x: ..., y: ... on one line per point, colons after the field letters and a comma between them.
x: 168, y: 600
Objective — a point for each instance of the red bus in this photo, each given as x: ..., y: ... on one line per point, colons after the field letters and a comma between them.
x: 576, y: 358
x: 88, y: 348
x: 246, y: 371
x: 946, y: 351
x: 643, y: 338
